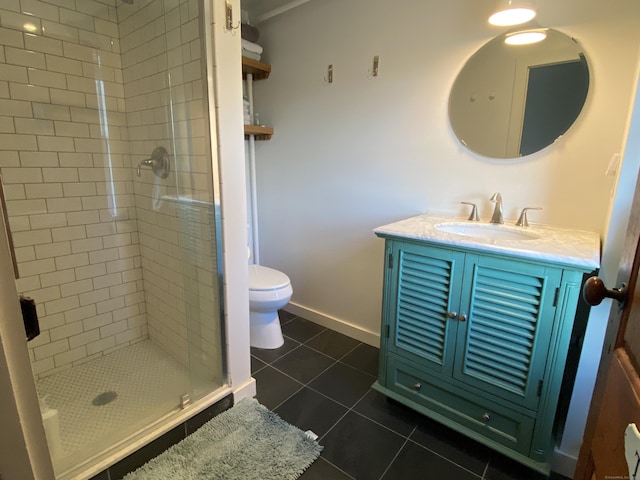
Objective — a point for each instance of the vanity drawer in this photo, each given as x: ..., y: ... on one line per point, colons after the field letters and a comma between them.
x: 464, y: 411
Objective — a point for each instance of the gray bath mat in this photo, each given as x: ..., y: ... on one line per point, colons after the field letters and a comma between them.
x: 246, y: 442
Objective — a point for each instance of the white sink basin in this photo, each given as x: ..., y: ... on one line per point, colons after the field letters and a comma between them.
x: 488, y: 231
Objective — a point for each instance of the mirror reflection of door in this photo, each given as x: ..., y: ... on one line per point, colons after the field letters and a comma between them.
x: 488, y: 98
x: 555, y: 96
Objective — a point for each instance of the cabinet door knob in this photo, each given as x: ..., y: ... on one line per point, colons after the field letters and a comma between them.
x: 486, y: 418
x: 462, y: 317
x: 452, y: 315
x: 417, y: 386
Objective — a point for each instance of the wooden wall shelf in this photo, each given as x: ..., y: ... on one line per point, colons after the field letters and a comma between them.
x: 259, y: 70
x: 260, y: 132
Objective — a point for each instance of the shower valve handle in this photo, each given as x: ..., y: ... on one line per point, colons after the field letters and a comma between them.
x: 148, y: 162
x: 159, y: 162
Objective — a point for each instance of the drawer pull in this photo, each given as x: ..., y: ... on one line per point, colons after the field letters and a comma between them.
x: 486, y: 418
x: 417, y: 386
x: 452, y: 315
x: 462, y: 317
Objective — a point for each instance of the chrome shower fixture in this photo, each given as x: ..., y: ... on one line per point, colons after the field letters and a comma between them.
x: 159, y: 162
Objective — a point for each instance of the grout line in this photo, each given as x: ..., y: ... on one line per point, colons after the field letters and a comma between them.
x: 345, y: 414
x: 316, y: 335
x: 333, y: 426
x: 307, y: 384
x: 336, y: 359
x: 352, y: 408
x: 486, y: 469
x: 303, y: 385
x: 288, y: 398
x: 448, y: 459
x: 261, y: 368
x: 336, y: 467
x: 376, y: 422
x: 406, y: 440
x: 324, y: 329
x: 283, y: 355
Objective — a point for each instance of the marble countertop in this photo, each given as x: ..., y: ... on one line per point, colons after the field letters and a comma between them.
x: 570, y: 247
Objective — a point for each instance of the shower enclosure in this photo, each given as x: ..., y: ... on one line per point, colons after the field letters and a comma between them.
x: 117, y: 244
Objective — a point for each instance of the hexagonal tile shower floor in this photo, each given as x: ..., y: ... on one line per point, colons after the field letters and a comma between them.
x: 107, y: 399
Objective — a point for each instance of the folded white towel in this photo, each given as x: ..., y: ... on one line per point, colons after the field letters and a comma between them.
x: 252, y: 47
x: 248, y: 54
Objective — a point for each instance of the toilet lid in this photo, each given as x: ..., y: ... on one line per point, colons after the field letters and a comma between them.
x: 265, y: 278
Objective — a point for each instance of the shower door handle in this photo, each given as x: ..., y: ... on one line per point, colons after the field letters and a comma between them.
x: 8, y: 231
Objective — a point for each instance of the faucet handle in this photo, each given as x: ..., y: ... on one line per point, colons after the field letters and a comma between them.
x: 522, y: 220
x: 474, y: 211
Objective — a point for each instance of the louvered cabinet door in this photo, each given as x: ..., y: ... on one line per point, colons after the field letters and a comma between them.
x: 503, y: 343
x: 427, y: 288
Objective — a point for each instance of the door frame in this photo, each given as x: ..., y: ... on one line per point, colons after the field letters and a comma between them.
x: 23, y: 443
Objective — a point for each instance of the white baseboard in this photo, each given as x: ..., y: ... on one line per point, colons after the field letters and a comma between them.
x: 246, y: 390
x: 341, y: 326
x: 563, y: 463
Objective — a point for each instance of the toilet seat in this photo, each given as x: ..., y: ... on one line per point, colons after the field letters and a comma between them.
x: 263, y: 278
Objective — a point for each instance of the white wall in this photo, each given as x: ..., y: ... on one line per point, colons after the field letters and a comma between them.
x: 364, y: 151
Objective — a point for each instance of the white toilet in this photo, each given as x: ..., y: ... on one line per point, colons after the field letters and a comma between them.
x: 269, y: 291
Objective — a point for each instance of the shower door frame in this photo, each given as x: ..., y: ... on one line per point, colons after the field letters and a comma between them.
x: 28, y: 451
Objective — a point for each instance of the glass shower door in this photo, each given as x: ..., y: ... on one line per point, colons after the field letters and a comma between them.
x: 177, y: 216
x: 122, y: 260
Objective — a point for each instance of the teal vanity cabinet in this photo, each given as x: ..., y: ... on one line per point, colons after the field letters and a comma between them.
x: 478, y: 341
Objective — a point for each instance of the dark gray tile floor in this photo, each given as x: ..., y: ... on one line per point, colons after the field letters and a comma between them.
x: 320, y: 380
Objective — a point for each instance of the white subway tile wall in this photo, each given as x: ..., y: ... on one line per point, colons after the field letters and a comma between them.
x: 87, y: 90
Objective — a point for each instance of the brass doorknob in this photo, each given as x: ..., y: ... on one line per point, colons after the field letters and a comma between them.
x: 594, y: 292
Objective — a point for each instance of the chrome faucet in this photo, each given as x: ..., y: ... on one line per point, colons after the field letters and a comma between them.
x: 497, y: 212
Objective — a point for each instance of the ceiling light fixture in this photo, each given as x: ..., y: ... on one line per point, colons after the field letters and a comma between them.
x: 512, y: 12
x: 526, y: 37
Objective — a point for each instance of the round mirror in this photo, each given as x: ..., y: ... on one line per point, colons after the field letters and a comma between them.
x: 514, y: 100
